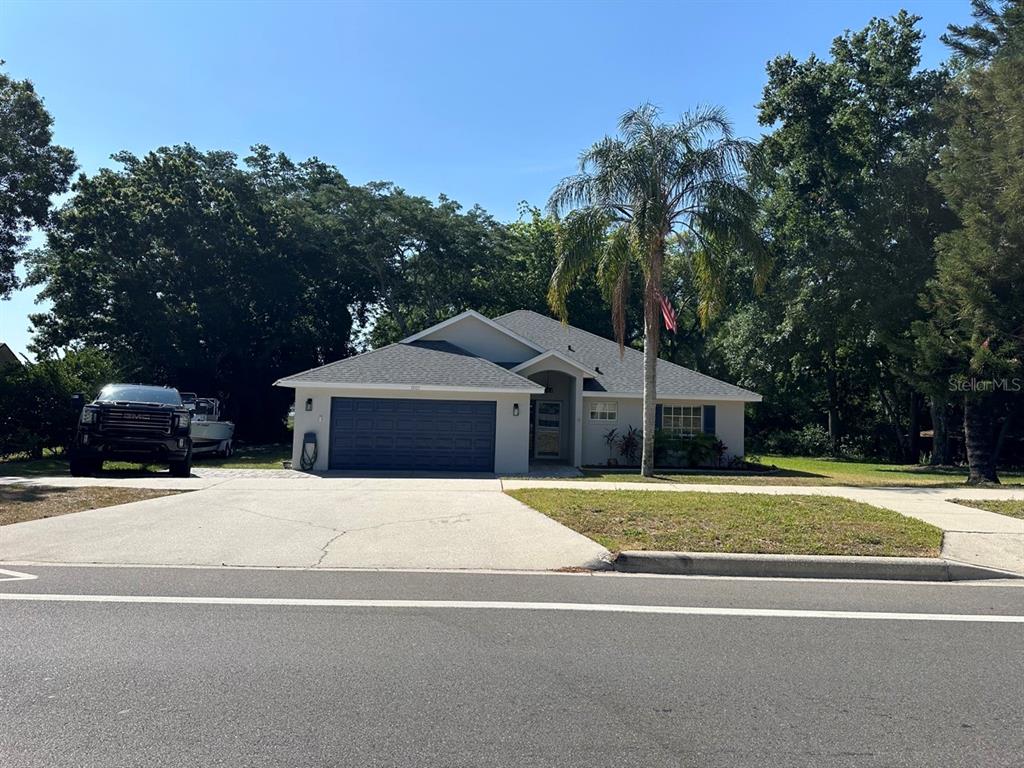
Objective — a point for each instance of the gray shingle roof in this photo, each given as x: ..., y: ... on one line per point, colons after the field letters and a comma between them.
x: 423, y: 363
x: 620, y: 375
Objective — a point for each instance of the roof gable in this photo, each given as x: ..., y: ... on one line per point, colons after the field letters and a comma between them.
x: 526, y: 367
x: 618, y: 374
x: 480, y: 336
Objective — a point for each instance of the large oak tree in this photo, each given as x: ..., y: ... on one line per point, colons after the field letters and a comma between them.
x: 32, y: 170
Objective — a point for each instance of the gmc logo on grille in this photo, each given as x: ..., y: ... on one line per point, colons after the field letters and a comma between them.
x: 134, y: 416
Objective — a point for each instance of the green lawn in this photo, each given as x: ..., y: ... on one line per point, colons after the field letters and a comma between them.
x: 797, y: 470
x: 245, y: 457
x: 734, y: 522
x: 1010, y: 507
x: 249, y: 457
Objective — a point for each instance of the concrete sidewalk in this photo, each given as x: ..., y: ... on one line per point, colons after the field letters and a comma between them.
x: 970, y: 535
x: 306, y: 521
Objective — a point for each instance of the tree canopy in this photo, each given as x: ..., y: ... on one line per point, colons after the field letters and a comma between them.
x: 32, y: 170
x: 975, y: 300
x: 219, y: 275
x: 851, y: 218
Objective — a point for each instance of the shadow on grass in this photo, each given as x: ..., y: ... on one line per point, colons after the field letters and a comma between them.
x: 927, y: 470
x: 34, y: 467
x: 57, y: 467
x: 668, y: 474
x: 245, y: 457
x: 17, y: 494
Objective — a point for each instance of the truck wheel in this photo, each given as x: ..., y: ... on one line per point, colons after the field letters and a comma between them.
x: 181, y: 468
x: 82, y: 467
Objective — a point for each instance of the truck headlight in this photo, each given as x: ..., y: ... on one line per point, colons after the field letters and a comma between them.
x: 183, y: 420
x: 89, y: 415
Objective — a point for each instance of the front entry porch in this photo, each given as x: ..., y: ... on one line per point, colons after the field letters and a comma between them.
x: 554, y: 416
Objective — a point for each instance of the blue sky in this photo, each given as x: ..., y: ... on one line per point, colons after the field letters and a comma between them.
x: 488, y: 103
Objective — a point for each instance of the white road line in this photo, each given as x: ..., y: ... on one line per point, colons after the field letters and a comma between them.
x: 6, y: 575
x: 671, y: 610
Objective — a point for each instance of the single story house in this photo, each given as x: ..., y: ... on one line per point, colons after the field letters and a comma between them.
x: 475, y: 394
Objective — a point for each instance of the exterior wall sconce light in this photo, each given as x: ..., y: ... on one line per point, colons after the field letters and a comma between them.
x: 309, y: 403
x: 515, y: 409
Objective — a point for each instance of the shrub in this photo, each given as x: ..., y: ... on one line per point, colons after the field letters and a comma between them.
x: 611, y: 439
x: 630, y: 444
x: 687, y: 451
x: 809, y: 440
x: 35, y: 400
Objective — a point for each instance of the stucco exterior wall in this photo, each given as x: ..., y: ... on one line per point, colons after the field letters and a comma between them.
x: 484, y: 341
x: 729, y: 425
x: 511, y: 433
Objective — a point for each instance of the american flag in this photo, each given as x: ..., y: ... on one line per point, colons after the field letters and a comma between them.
x: 667, y: 313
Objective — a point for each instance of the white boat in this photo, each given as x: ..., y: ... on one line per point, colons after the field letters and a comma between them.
x: 209, y: 433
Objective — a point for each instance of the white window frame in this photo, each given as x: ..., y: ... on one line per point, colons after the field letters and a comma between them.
x: 604, y: 410
x: 679, y: 419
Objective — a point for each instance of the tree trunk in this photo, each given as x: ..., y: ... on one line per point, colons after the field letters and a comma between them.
x: 835, y: 428
x: 894, y: 421
x: 1001, y: 440
x: 915, y: 428
x: 652, y: 329
x: 978, y: 437
x: 940, y: 433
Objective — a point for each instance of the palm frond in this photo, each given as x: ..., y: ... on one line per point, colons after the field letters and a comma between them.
x: 652, y: 180
x: 725, y: 225
x: 637, y: 123
x: 709, y: 276
x: 578, y: 247
x: 571, y: 192
x: 613, y: 274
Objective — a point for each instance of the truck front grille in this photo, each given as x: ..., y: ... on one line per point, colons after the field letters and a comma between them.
x: 130, y: 420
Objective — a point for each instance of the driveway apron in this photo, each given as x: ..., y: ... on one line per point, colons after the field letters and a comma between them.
x: 302, y: 521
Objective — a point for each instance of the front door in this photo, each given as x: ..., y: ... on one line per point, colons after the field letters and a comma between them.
x: 547, y: 429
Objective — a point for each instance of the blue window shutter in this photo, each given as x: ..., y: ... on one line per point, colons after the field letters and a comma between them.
x: 657, y: 417
x: 709, y: 419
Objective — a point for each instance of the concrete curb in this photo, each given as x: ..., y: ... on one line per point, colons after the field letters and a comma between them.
x: 804, y: 566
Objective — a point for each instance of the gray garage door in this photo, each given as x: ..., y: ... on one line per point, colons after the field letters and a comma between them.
x: 440, y: 435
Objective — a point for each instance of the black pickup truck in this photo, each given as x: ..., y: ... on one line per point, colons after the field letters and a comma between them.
x: 132, y: 422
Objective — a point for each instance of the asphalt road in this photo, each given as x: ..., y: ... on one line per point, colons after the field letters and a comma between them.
x: 451, y: 679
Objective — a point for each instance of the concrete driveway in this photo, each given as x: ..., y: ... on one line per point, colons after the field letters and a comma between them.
x: 294, y: 520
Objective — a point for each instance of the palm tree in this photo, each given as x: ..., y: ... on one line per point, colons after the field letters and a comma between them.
x: 634, y: 192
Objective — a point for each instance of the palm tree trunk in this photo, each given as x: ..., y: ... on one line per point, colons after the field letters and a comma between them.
x: 652, y: 332
x: 978, y: 436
